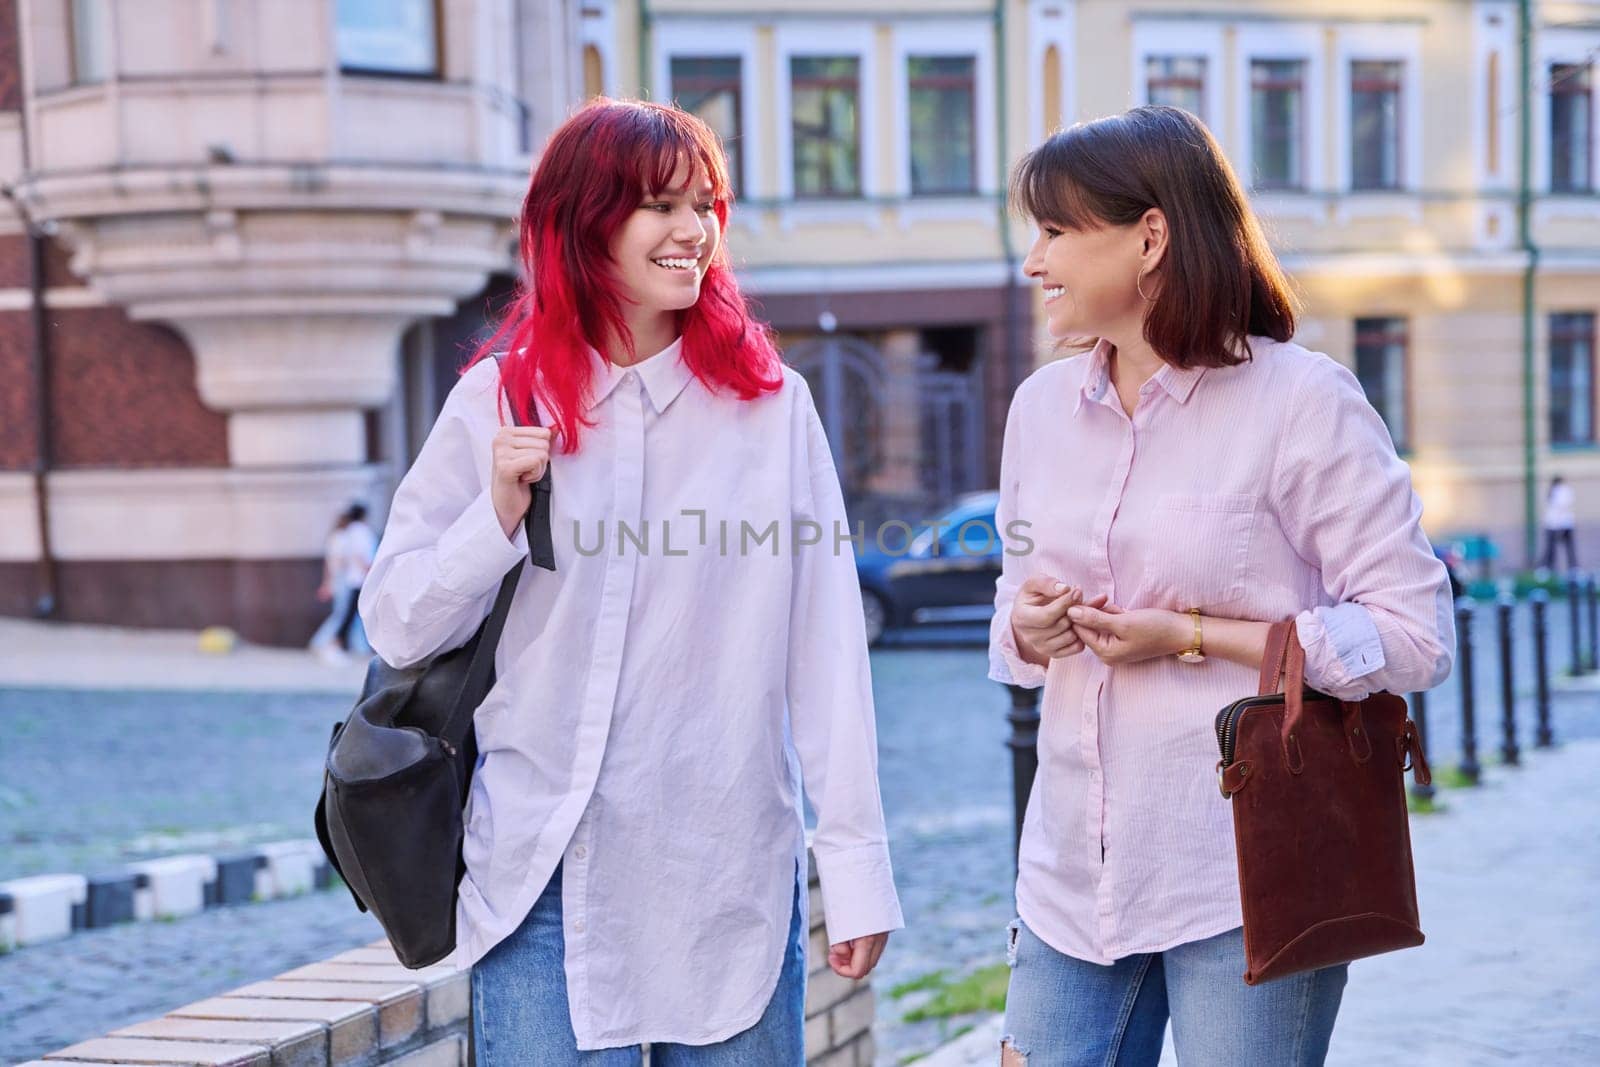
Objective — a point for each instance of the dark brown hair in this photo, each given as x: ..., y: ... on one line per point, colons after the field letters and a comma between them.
x: 1219, y: 280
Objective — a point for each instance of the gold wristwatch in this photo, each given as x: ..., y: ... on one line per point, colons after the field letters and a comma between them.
x: 1192, y: 654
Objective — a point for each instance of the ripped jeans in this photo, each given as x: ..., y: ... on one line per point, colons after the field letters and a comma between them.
x: 1064, y: 1012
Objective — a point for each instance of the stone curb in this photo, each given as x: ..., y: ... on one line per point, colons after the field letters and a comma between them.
x: 48, y: 907
x: 362, y: 1008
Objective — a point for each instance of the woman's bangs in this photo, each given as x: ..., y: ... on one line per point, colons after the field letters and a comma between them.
x: 670, y: 144
x: 1043, y: 188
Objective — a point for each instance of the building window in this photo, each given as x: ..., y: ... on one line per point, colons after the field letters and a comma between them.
x: 1374, y: 125
x: 1277, y: 123
x: 1381, y: 369
x: 1052, y: 90
x: 1571, y: 128
x: 1572, y: 378
x: 1491, y: 165
x: 943, y: 103
x: 388, y: 37
x: 1177, y: 81
x: 91, y: 44
x: 826, y: 100
x: 712, y: 90
x: 594, y: 72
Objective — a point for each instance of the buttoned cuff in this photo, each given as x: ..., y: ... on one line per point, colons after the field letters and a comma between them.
x: 1006, y: 664
x: 474, y: 553
x: 858, y: 895
x: 1342, y: 647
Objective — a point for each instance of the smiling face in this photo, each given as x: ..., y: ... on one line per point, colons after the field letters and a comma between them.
x: 1089, y: 277
x: 662, y: 250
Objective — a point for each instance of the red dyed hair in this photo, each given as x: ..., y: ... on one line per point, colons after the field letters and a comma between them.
x: 597, y: 168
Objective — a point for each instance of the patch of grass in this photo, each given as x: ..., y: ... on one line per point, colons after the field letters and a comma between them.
x: 912, y: 1057
x: 1452, y: 778
x: 934, y: 980
x: 983, y: 990
x: 1424, y: 805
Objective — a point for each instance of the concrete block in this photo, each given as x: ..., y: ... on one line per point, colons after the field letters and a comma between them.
x: 352, y: 1027
x: 825, y: 989
x: 851, y: 1017
x: 818, y: 1039
x: 42, y: 906
x: 450, y: 1052
x: 449, y: 1000
x: 141, y: 1050
x: 236, y: 879
x: 288, y: 868
x: 817, y: 950
x: 866, y: 1050
x: 110, y: 899
x: 171, y: 887
x: 400, y: 1006
x: 8, y: 923
x: 293, y: 1044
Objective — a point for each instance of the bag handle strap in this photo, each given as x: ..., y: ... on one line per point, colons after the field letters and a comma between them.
x: 541, y: 552
x: 1272, y: 661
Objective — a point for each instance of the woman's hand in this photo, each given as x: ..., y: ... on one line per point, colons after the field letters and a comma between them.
x: 856, y: 958
x: 1120, y: 636
x: 521, y: 454
x: 1039, y: 619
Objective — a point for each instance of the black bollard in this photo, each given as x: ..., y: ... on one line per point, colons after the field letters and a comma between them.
x: 1574, y: 631
x: 1543, y: 738
x: 1024, y: 745
x: 1508, y: 684
x: 1419, y: 715
x: 1594, y: 621
x: 1469, y: 738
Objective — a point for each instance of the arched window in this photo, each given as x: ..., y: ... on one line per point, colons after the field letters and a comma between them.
x: 1052, y: 90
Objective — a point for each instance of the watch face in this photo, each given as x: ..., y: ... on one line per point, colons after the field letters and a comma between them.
x: 1191, y: 657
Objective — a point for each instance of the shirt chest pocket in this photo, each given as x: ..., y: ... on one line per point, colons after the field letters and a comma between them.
x: 1204, y: 541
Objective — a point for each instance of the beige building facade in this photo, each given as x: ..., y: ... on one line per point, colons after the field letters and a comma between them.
x: 1382, y: 141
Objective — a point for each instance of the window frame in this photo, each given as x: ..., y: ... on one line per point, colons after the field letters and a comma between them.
x: 856, y: 39
x: 1555, y: 335
x: 1301, y: 182
x: 1559, y: 89
x: 1398, y: 86
x: 740, y: 163
x: 1369, y: 329
x: 971, y: 84
x: 861, y: 143
x: 435, y: 75
x: 1170, y: 79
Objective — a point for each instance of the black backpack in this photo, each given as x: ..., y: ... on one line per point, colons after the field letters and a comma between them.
x: 399, y: 769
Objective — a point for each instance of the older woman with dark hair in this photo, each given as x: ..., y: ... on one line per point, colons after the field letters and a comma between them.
x: 1194, y: 477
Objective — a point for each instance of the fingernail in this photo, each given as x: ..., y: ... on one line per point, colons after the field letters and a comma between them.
x: 1075, y: 614
x: 1061, y: 587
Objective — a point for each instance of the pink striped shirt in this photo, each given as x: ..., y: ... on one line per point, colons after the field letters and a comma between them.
x: 1259, y: 491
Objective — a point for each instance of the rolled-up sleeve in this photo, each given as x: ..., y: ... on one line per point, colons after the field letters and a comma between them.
x: 1345, y: 502
x: 1006, y: 664
x: 829, y: 692
x: 443, y: 551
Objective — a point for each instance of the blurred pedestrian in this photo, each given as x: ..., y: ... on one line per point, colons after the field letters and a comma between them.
x: 635, y: 852
x: 1193, y: 478
x: 347, y: 556
x: 1560, y: 520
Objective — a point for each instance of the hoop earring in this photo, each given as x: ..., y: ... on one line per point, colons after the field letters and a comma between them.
x: 1138, y: 286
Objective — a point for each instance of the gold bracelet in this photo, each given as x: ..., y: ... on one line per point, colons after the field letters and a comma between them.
x: 1193, y: 654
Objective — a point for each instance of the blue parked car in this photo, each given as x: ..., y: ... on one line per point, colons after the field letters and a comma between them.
x: 945, y: 579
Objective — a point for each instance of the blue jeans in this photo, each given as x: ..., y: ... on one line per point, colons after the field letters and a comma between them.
x: 520, y: 1014
x: 1064, y: 1012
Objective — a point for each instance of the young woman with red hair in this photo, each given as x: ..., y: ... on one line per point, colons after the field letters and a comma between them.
x: 635, y: 852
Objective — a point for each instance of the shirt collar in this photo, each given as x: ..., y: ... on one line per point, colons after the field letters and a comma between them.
x: 1179, y: 382
x: 664, y: 375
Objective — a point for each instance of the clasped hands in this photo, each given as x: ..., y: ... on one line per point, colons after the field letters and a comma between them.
x: 1052, y: 620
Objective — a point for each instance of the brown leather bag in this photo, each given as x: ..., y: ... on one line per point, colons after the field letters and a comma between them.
x: 1319, y: 819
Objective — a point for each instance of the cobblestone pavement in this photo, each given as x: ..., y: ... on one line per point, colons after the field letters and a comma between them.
x: 90, y: 779
x: 1511, y: 970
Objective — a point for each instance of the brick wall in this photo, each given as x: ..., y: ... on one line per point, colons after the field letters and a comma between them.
x: 10, y: 54
x: 362, y: 1008
x: 18, y: 439
x: 124, y: 395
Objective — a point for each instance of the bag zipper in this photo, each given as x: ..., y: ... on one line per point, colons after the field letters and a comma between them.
x: 1228, y: 727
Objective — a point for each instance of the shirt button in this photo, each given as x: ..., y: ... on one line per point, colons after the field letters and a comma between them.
x: 580, y: 852
x: 578, y: 926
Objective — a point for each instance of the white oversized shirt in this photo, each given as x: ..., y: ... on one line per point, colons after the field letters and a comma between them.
x: 659, y: 693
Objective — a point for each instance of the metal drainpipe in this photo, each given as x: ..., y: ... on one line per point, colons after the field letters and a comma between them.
x: 45, y: 606
x: 1013, y: 353
x: 1529, y: 276
x: 644, y: 49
